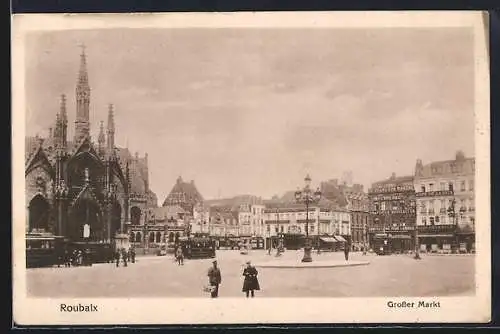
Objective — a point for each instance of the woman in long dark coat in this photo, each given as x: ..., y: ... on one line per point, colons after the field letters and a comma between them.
x: 251, y: 283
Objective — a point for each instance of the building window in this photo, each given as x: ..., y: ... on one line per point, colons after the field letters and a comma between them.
x: 437, y: 220
x: 422, y: 188
x: 450, y: 186
x: 431, y: 187
x: 471, y: 185
x: 424, y: 221
x: 268, y: 228
x: 276, y: 229
x: 311, y: 228
x: 281, y: 228
x: 442, y: 186
x: 462, y: 186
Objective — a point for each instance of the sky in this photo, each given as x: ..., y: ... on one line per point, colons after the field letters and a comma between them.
x: 252, y: 111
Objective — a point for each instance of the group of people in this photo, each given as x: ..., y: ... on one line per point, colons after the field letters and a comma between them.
x: 75, y: 257
x: 250, y: 281
x: 124, y: 255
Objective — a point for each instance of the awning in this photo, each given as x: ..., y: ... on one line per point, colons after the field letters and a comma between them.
x: 328, y: 239
x: 339, y: 238
x: 435, y: 235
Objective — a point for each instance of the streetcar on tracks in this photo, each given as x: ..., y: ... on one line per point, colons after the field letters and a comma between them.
x: 198, y: 248
x: 44, y: 250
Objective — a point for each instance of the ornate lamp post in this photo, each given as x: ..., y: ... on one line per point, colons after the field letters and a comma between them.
x: 279, y: 234
x: 364, y: 238
x: 417, y: 241
x: 307, y: 196
x: 452, y: 214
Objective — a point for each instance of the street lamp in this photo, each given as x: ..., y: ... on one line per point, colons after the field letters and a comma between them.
x: 452, y: 214
x: 364, y: 237
x: 417, y: 241
x: 280, y: 241
x: 307, y: 196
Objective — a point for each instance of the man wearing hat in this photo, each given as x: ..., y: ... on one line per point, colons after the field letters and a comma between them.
x: 251, y: 283
x: 214, y: 279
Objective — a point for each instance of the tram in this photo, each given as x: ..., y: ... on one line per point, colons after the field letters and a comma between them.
x: 382, y: 244
x: 198, y: 248
x: 44, y: 250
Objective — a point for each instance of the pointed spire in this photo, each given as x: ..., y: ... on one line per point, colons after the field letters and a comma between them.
x: 63, y: 113
x: 111, y: 131
x: 111, y: 119
x: 83, y: 77
x: 82, y: 124
x: 101, y: 138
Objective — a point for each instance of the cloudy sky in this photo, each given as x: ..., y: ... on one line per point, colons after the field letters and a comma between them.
x: 250, y: 111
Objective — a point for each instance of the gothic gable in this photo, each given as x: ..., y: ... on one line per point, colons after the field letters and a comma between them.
x: 38, y: 182
x: 86, y: 147
x: 86, y: 194
x: 39, y: 160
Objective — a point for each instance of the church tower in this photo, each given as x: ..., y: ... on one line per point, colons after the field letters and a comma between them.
x: 82, y: 124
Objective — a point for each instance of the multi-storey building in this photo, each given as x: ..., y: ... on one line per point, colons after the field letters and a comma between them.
x: 359, y: 208
x: 184, y: 194
x: 288, y: 220
x: 392, y: 204
x: 445, y: 204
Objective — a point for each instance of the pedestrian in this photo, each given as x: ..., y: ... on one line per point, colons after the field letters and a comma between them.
x: 346, y: 251
x: 179, y: 256
x: 214, y: 279
x: 132, y: 254
x: 250, y: 283
x: 117, y: 257
x: 124, y: 257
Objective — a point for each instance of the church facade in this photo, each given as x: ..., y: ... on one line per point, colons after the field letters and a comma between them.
x: 73, y: 182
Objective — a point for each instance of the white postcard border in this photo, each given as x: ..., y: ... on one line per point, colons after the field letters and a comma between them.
x: 39, y: 311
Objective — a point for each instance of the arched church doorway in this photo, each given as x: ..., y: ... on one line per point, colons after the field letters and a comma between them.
x: 86, y: 211
x: 135, y: 215
x: 116, y: 216
x: 39, y: 213
x: 138, y: 237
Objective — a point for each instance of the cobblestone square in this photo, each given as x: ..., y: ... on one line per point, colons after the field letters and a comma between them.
x: 150, y: 277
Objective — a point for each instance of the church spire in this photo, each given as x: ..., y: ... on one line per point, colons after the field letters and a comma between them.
x: 63, y: 116
x: 111, y: 129
x: 101, y: 138
x: 82, y: 124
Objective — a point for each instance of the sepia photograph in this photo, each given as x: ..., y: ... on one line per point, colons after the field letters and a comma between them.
x: 288, y: 159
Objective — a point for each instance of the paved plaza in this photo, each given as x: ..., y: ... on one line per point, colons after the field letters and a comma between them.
x: 395, y: 275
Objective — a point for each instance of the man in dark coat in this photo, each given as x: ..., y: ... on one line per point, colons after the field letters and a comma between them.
x: 214, y: 279
x: 132, y: 254
x: 117, y: 257
x: 124, y: 257
x: 346, y: 250
x: 250, y: 283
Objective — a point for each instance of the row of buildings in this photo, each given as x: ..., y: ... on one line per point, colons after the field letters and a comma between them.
x: 434, y: 205
x: 73, y: 182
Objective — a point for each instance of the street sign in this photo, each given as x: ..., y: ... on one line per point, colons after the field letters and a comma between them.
x: 86, y: 231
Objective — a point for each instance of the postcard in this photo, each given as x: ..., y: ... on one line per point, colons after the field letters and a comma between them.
x: 251, y: 168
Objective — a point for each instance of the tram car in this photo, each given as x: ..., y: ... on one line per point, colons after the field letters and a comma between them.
x: 198, y: 248
x: 44, y: 250
x: 382, y: 244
